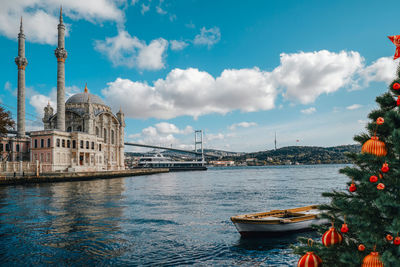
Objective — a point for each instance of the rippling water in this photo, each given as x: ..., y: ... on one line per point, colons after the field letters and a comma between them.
x: 166, y: 219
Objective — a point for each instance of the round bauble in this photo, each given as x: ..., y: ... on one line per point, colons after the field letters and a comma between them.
x: 361, y: 247
x: 380, y: 121
x: 389, y: 237
x: 331, y: 237
x: 310, y: 259
x: 380, y: 186
x: 373, y: 179
x: 375, y: 147
x: 352, y: 188
x: 372, y: 260
x: 396, y: 241
x: 398, y: 101
x: 385, y: 168
x: 396, y: 86
x: 344, y: 228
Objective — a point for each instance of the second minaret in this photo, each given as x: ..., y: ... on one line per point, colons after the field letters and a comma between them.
x: 61, y: 55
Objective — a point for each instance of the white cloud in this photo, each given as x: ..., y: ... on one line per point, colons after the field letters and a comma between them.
x: 354, y: 106
x: 305, y: 76
x: 212, y: 137
x: 41, y: 16
x: 243, y: 124
x: 169, y: 128
x: 145, y: 8
x: 308, y: 110
x: 300, y: 77
x: 178, y: 45
x: 208, y: 37
x: 162, y: 134
x: 125, y: 50
x: 382, y: 70
x: 194, y: 93
x: 151, y: 57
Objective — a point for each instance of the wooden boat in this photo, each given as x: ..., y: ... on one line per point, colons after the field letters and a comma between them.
x: 277, y: 222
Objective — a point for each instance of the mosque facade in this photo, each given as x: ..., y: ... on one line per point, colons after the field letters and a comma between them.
x: 82, y: 135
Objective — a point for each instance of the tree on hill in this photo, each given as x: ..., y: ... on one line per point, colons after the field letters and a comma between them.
x: 366, y: 217
x: 6, y: 122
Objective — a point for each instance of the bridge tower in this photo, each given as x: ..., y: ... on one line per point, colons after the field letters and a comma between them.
x: 198, y: 142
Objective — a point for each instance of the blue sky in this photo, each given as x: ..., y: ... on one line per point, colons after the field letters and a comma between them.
x: 239, y: 70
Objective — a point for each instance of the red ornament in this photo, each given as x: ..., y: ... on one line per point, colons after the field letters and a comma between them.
x: 396, y: 40
x: 396, y: 86
x: 374, y: 147
x: 380, y: 121
x: 309, y: 260
x: 331, y: 237
x: 344, y: 228
x: 385, y: 168
x: 389, y: 237
x: 372, y: 260
x: 373, y: 179
x: 398, y: 100
x: 361, y: 247
x: 380, y: 176
x: 396, y: 241
x: 380, y: 186
x: 352, y: 187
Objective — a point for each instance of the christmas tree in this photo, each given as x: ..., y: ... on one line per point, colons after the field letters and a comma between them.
x: 365, y: 218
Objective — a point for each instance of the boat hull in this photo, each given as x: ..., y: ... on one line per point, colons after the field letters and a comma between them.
x: 260, y: 229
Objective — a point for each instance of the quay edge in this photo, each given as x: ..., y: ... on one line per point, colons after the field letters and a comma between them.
x: 75, y: 176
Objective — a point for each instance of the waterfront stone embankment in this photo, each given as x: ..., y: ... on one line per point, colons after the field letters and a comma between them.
x: 74, y: 176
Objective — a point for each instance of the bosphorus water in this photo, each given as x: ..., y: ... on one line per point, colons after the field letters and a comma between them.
x: 168, y: 219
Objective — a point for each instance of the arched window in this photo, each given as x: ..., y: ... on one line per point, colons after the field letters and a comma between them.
x: 105, y: 135
x: 97, y: 132
x: 48, y: 142
x: 87, y: 144
x: 112, y: 137
x: 79, y: 128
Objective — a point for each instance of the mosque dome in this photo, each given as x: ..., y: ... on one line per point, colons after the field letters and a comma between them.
x: 83, y: 98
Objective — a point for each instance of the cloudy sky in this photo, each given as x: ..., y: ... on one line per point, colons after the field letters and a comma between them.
x: 239, y: 70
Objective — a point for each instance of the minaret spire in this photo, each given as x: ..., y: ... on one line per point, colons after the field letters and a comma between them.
x: 21, y: 62
x: 61, y: 55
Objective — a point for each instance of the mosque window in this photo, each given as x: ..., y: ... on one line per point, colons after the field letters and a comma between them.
x: 17, y: 147
x: 87, y: 144
x: 63, y: 143
x: 92, y: 145
x: 112, y: 137
x: 35, y: 143
x: 99, y: 147
x: 48, y: 142
x: 58, y: 142
x: 105, y: 135
x: 97, y: 132
x: 68, y: 143
x: 81, y: 143
x: 73, y: 144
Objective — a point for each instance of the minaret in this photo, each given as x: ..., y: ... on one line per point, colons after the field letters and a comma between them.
x: 61, y: 55
x: 21, y: 62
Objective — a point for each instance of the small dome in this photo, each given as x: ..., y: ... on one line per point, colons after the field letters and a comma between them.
x: 83, y: 98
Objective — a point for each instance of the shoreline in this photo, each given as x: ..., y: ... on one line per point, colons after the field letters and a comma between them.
x: 75, y: 176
